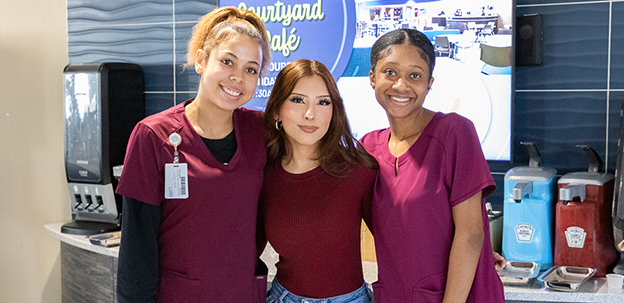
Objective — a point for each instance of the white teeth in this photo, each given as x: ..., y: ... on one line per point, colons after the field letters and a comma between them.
x: 399, y: 99
x: 231, y: 92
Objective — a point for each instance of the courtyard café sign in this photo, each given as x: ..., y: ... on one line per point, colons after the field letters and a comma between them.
x: 321, y: 30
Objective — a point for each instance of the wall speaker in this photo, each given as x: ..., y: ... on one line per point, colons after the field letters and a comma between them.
x: 529, y: 40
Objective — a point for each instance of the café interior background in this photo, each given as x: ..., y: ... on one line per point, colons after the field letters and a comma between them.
x: 574, y: 98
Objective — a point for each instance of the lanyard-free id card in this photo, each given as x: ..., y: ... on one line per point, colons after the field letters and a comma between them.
x: 176, y: 181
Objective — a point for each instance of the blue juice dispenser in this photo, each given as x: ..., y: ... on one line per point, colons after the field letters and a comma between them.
x: 528, y: 208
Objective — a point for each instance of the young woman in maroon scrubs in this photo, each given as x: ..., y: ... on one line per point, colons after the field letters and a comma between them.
x: 317, y: 188
x: 429, y: 220
x: 192, y: 177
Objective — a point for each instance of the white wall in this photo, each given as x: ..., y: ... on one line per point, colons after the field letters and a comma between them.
x: 33, y: 192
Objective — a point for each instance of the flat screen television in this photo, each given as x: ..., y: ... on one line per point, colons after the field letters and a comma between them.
x: 473, y: 72
x: 474, y: 66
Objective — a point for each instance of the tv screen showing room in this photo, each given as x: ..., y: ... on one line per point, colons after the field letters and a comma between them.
x: 473, y: 71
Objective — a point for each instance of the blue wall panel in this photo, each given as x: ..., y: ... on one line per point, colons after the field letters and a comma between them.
x: 617, y: 46
x: 192, y: 10
x: 574, y: 98
x: 114, y: 12
x: 575, y: 48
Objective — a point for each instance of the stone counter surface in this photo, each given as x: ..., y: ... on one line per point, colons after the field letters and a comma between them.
x: 594, y: 290
x: 83, y: 242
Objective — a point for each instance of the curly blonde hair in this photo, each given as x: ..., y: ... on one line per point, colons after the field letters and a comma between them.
x: 223, y: 23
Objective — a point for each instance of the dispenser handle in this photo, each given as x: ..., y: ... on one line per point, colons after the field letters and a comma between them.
x: 568, y: 192
x: 594, y: 159
x: 534, y: 155
x: 522, y: 189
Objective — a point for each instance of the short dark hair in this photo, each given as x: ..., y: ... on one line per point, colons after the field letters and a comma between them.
x: 339, y: 150
x: 381, y: 48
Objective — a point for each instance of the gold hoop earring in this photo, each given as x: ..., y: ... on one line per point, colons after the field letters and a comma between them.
x: 278, y: 124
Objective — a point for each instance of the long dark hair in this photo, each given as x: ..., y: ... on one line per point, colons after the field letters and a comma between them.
x: 338, y: 149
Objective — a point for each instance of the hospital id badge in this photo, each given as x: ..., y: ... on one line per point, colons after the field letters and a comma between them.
x: 176, y: 181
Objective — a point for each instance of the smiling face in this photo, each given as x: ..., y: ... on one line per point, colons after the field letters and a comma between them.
x: 401, y: 81
x: 307, y: 113
x: 229, y: 73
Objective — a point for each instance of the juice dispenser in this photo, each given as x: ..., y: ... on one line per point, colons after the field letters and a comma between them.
x: 583, y: 230
x: 528, y: 208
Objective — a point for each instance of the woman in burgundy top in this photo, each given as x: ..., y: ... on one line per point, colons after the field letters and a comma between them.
x: 317, y: 188
x: 430, y: 224
x: 195, y: 242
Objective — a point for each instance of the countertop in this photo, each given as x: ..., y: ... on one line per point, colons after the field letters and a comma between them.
x: 594, y: 290
x: 83, y: 242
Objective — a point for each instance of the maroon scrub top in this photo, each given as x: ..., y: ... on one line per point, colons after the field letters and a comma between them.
x: 412, y: 211
x: 206, y: 242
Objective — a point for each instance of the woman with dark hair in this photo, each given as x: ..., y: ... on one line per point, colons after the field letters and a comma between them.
x: 429, y: 220
x: 317, y: 188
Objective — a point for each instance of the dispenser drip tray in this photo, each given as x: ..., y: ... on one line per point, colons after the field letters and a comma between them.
x: 87, y: 228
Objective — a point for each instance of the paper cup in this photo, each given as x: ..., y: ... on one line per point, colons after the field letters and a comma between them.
x: 615, y: 280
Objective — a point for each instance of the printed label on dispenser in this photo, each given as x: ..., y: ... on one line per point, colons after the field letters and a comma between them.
x: 524, y: 232
x: 575, y: 236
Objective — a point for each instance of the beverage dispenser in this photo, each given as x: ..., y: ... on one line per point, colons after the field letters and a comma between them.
x: 102, y: 104
x: 528, y: 208
x: 617, y: 213
x: 583, y: 230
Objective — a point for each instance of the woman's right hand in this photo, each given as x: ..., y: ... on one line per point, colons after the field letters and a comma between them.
x: 499, y: 261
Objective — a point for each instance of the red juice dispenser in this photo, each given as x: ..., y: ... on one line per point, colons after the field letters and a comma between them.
x: 583, y: 228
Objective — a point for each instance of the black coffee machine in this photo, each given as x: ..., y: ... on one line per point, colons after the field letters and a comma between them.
x: 618, y: 199
x: 102, y: 104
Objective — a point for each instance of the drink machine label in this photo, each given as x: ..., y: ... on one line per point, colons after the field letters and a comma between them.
x: 575, y: 236
x: 524, y: 232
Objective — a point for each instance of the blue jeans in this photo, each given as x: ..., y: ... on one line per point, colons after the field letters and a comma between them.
x: 278, y: 294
